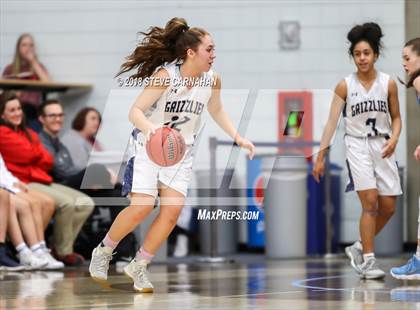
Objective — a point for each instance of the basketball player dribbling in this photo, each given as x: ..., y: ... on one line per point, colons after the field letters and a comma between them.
x: 411, y: 64
x: 368, y: 100
x: 168, y: 55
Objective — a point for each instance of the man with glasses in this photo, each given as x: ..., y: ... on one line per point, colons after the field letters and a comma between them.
x: 64, y: 170
x: 98, y: 183
x: 51, y: 117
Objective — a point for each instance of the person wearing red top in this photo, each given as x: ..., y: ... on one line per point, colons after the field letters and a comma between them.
x: 26, y: 66
x: 25, y: 156
x: 29, y: 161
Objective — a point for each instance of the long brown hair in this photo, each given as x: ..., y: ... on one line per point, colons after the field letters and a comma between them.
x: 4, y: 99
x: 18, y: 61
x: 162, y: 45
x: 414, y: 44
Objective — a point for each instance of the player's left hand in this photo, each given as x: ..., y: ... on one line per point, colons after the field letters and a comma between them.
x: 245, y: 143
x: 389, y: 148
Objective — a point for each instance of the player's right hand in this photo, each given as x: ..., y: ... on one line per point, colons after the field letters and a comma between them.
x: 318, y: 170
x: 417, y: 152
x: 151, y: 129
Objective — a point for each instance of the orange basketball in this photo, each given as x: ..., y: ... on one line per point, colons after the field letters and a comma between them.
x: 166, y: 147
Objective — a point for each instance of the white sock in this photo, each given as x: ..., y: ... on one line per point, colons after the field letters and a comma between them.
x: 22, y: 248
x: 358, y: 245
x: 43, y: 244
x: 144, y: 256
x: 367, y: 256
x: 37, y: 248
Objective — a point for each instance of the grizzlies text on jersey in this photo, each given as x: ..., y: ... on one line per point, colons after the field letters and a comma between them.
x: 366, y: 112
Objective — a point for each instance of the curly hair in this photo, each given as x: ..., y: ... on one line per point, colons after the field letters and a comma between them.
x: 369, y: 32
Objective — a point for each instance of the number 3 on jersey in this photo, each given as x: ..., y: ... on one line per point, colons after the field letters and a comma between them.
x: 372, y: 122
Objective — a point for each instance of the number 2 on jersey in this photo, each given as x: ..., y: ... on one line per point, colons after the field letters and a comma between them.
x: 175, y: 122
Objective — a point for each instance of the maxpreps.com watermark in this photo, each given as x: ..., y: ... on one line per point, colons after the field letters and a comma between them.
x: 219, y: 214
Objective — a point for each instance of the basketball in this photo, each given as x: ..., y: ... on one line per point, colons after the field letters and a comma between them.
x: 166, y: 147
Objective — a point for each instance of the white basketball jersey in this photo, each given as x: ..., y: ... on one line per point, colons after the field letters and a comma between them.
x: 180, y: 107
x: 366, y: 113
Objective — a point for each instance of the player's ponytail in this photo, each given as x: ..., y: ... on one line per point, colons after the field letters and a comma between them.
x: 369, y: 32
x: 162, y: 45
x: 414, y: 44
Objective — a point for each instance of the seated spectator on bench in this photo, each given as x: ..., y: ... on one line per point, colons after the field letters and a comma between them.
x: 30, y: 213
x: 64, y: 171
x: 6, y: 260
x: 80, y: 140
x: 30, y: 162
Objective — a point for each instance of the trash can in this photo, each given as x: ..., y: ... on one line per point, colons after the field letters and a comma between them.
x: 316, y: 227
x: 227, y: 230
x: 390, y: 239
x: 285, y: 209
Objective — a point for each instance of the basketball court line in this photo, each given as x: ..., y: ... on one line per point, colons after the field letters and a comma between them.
x: 299, y: 283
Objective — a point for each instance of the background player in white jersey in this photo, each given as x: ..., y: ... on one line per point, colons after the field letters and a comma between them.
x: 194, y: 50
x: 411, y: 63
x: 368, y: 100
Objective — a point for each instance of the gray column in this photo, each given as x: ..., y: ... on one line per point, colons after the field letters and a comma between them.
x: 412, y: 126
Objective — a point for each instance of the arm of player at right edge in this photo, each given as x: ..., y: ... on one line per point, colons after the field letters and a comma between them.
x: 416, y: 84
x: 394, y: 111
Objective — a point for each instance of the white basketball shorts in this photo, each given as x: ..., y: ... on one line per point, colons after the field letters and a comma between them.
x: 368, y: 170
x: 147, y: 175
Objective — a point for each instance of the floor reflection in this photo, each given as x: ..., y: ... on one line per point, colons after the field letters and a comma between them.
x: 263, y: 284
